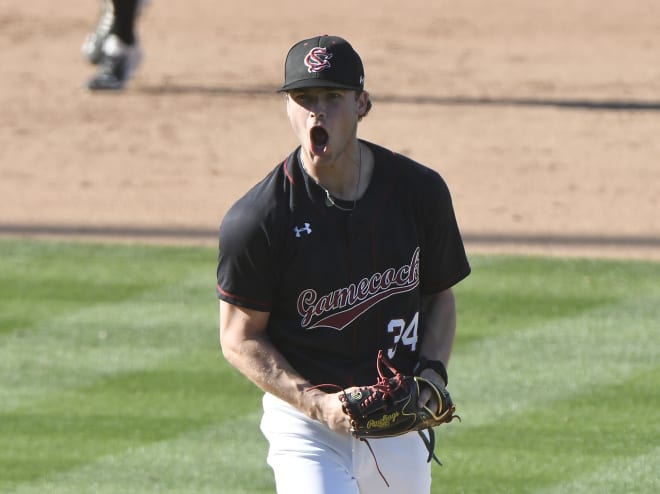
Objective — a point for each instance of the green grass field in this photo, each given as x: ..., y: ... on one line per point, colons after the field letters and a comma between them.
x: 112, y: 380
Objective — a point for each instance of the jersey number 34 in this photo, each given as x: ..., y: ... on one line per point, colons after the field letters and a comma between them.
x: 406, y: 334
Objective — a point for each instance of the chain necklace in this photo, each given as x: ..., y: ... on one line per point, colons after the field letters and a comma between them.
x: 329, y: 200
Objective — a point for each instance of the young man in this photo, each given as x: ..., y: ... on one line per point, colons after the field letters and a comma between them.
x: 343, y: 250
x: 113, y: 45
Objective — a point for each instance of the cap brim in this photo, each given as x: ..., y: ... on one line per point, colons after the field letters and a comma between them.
x: 307, y: 83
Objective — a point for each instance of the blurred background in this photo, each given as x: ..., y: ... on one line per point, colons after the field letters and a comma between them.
x: 542, y: 116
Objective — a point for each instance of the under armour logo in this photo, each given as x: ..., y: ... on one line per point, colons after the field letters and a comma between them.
x: 305, y: 229
x: 317, y: 60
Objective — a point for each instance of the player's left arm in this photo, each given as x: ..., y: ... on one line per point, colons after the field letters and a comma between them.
x: 440, y: 330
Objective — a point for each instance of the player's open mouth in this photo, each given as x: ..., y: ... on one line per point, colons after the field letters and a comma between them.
x: 319, y: 137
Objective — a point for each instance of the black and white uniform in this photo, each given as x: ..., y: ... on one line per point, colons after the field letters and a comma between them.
x: 341, y: 283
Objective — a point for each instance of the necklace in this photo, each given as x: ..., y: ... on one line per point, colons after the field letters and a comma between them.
x: 329, y: 200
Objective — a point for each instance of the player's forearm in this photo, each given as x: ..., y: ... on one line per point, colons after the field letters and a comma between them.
x: 257, y: 359
x: 247, y: 347
x: 440, y: 316
x: 265, y: 366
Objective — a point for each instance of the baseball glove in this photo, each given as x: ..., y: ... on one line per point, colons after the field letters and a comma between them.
x: 389, y: 407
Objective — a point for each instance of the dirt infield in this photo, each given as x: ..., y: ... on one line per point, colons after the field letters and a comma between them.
x: 543, y: 117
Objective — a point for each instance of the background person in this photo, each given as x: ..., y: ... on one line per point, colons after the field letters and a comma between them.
x: 113, y: 45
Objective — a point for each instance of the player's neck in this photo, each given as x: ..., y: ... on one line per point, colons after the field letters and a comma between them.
x: 345, y: 179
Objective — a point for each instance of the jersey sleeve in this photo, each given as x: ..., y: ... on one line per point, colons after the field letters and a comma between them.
x: 245, y: 272
x: 444, y: 261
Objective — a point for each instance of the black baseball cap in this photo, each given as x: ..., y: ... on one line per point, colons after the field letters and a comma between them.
x: 323, y: 61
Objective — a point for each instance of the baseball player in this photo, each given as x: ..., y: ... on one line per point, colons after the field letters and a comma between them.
x: 344, y: 249
x: 113, y: 45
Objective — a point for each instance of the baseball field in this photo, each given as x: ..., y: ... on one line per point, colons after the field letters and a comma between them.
x: 543, y: 117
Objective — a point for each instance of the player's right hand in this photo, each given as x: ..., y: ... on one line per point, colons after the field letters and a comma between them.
x: 327, y: 409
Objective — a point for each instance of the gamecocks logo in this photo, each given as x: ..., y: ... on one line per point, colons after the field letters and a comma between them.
x: 317, y: 60
x: 339, y: 308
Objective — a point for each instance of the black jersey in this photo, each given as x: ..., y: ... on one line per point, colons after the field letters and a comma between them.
x: 340, y: 285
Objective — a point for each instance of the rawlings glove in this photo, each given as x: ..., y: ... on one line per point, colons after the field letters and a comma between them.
x: 389, y: 407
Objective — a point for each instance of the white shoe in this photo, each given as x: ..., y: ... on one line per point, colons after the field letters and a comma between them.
x: 119, y: 62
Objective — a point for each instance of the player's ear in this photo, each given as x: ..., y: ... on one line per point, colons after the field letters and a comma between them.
x: 363, y: 104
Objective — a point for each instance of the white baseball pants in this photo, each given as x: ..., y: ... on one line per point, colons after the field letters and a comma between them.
x: 307, y: 457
